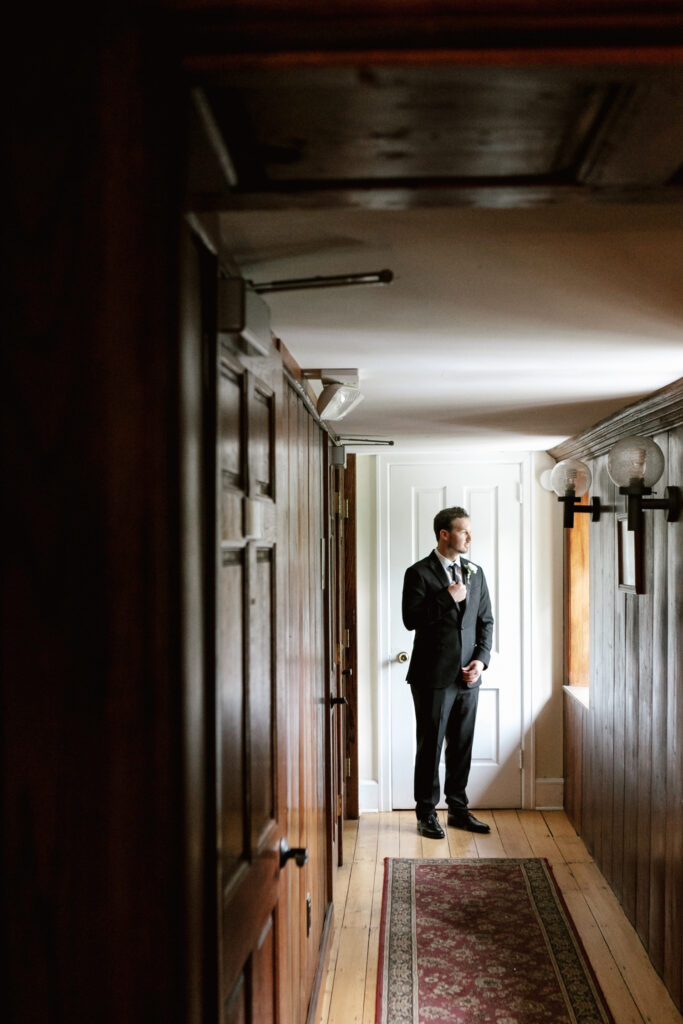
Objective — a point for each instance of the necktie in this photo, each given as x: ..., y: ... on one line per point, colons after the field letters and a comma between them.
x: 455, y: 572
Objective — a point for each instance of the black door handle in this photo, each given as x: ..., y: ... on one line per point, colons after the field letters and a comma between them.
x: 347, y: 671
x: 299, y: 853
x: 338, y: 700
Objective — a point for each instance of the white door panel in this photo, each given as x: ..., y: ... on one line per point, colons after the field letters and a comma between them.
x: 490, y: 493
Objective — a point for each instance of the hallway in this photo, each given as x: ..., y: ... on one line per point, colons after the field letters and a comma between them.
x: 632, y: 988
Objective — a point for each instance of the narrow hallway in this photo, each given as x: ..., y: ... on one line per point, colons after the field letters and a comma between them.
x: 631, y: 986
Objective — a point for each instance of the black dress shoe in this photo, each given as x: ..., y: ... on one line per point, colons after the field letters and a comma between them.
x: 430, y: 828
x: 463, y: 819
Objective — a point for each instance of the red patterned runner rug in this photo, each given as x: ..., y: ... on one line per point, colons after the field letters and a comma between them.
x: 481, y: 942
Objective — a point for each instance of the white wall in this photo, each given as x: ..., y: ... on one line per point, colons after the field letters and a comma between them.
x: 547, y: 629
x: 367, y: 609
x: 543, y: 569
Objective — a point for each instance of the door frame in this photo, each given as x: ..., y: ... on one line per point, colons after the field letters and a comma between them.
x: 385, y: 611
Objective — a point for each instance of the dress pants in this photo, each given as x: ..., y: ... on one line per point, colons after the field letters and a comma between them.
x: 448, y: 714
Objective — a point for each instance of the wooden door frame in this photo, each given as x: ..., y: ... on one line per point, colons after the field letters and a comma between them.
x: 351, y: 648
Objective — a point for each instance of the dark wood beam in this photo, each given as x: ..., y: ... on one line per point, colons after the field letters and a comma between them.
x: 244, y: 29
x: 662, y: 410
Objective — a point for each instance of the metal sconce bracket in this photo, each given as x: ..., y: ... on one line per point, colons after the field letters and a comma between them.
x: 571, y: 506
x: 637, y: 503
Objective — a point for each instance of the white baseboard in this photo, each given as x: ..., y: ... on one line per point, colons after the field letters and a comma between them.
x: 368, y: 795
x: 549, y: 794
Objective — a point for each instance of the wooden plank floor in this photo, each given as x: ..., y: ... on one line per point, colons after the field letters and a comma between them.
x: 631, y: 986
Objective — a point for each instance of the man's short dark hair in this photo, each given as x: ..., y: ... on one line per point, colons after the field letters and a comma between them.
x: 444, y: 518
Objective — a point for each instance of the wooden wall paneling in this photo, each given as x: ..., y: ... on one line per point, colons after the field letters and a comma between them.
x: 673, y: 902
x: 334, y: 526
x: 574, y: 716
x: 619, y: 719
x: 283, y: 947
x: 232, y: 784
x: 317, y: 838
x: 646, y: 616
x: 308, y: 698
x: 351, y: 652
x: 632, y: 817
x: 288, y: 945
x: 263, y: 974
x: 606, y: 693
x: 235, y: 1009
x: 261, y: 750
x: 318, y: 478
x: 300, y: 553
x: 331, y: 781
x: 621, y: 684
x: 657, y: 877
x: 630, y: 756
x: 328, y: 605
x: 317, y: 890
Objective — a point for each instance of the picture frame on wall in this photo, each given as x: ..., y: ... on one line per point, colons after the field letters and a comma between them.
x: 629, y: 557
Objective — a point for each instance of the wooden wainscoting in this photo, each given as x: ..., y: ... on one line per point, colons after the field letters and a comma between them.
x: 627, y: 797
x: 575, y: 715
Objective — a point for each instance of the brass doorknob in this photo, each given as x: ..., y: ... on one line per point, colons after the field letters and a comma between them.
x: 402, y: 656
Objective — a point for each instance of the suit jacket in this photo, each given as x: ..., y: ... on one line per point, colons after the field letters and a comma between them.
x: 447, y: 636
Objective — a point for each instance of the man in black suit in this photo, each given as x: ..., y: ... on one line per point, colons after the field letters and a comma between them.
x: 446, y: 601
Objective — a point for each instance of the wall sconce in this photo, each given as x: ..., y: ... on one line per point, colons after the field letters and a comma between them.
x: 635, y: 464
x: 570, y: 479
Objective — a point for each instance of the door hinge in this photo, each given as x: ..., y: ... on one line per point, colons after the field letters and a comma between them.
x: 347, y: 767
x: 521, y: 759
x: 339, y: 805
x: 308, y: 914
x: 346, y: 508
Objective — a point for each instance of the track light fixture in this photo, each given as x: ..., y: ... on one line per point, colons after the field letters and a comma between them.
x: 635, y: 464
x: 340, y: 393
x: 570, y: 479
x: 337, y: 400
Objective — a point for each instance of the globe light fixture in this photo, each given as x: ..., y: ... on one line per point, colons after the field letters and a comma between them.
x: 570, y: 479
x: 635, y: 464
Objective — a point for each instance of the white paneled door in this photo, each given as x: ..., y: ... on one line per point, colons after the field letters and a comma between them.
x: 491, y: 494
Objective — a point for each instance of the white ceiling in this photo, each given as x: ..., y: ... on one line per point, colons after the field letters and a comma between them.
x: 503, y: 328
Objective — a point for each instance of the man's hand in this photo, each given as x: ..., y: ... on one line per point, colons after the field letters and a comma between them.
x: 471, y: 672
x: 458, y: 591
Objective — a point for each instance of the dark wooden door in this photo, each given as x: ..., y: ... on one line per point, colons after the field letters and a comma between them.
x: 247, y: 787
x: 269, y: 694
x: 336, y: 520
x: 266, y: 705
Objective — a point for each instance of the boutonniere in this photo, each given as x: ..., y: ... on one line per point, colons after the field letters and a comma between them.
x: 469, y: 570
